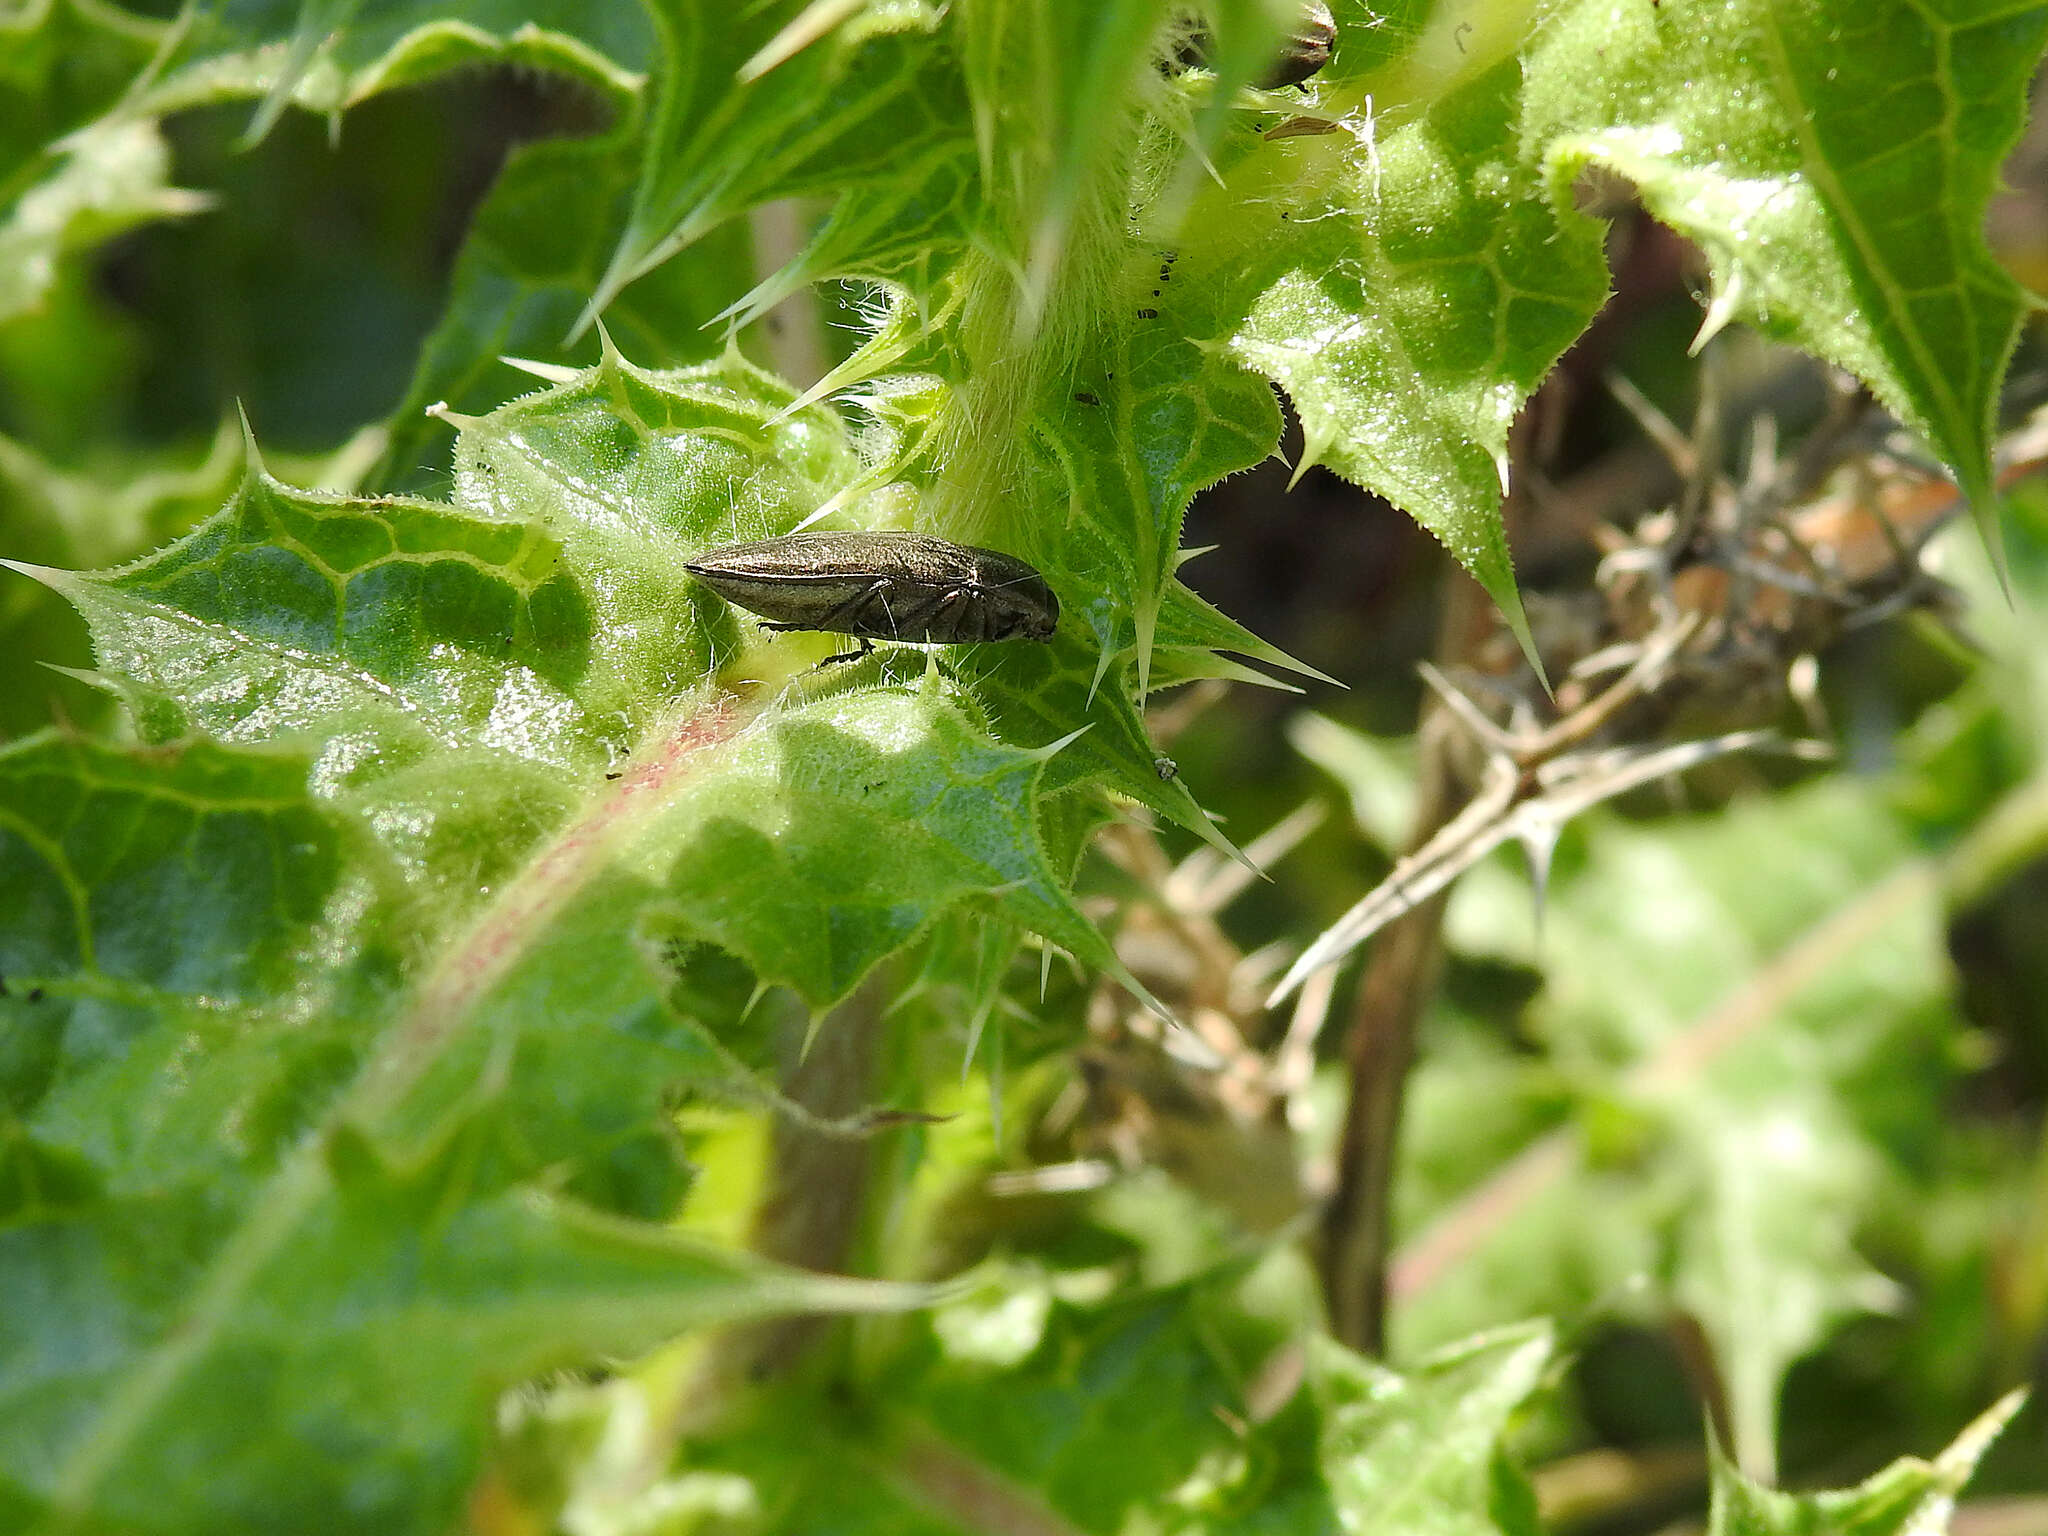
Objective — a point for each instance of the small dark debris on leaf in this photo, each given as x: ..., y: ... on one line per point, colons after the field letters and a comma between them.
x: 1302, y: 128
x: 35, y: 994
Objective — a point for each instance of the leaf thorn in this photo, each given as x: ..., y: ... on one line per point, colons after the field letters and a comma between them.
x: 1727, y: 300
x: 253, y: 467
x: 806, y: 28
x: 552, y: 373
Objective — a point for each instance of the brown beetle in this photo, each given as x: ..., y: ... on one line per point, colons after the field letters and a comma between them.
x: 1309, y: 45
x: 882, y: 586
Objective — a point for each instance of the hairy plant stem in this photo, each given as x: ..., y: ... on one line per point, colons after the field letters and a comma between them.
x: 1047, y: 283
x: 814, y: 1190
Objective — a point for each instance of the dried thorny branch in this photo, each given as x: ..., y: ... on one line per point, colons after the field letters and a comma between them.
x: 1706, y: 620
x: 1709, y: 612
x: 1212, y: 1110
x: 1698, y: 633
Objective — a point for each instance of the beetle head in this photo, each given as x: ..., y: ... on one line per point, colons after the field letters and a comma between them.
x: 1025, y: 609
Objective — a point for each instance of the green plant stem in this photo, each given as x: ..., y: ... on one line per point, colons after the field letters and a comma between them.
x: 2013, y: 835
x: 814, y: 1190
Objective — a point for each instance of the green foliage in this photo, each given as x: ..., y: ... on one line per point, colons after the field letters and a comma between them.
x: 203, y: 938
x: 395, y: 995
x: 1027, y: 1411
x: 1720, y: 1157
x: 1783, y: 140
x: 1425, y: 1453
x: 1908, y: 1496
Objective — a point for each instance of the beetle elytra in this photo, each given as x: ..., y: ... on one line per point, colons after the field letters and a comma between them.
x: 882, y: 586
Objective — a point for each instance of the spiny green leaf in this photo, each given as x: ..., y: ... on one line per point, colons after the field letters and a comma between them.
x: 1189, y: 623
x: 1111, y: 1411
x: 1129, y: 1416
x: 409, y: 1322
x: 62, y: 61
x: 523, y: 640
x: 531, y: 812
x: 328, y: 55
x: 1835, y: 162
x: 1030, y: 694
x: 857, y: 820
x: 1111, y: 453
x: 1713, y: 985
x: 243, y: 1168
x: 112, y: 176
x: 1910, y: 1497
x: 870, y: 105
x: 1138, y: 433
x: 1409, y: 285
x: 183, y: 878
x: 1765, y: 1257
x: 1411, y: 275
x: 427, y: 628
x: 58, y: 517
x: 1422, y: 1451
x: 536, y: 250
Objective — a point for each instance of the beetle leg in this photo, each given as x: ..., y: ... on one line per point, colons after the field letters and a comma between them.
x: 849, y: 614
x: 849, y: 617
x: 949, y: 615
x: 867, y: 647
x: 926, y: 615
